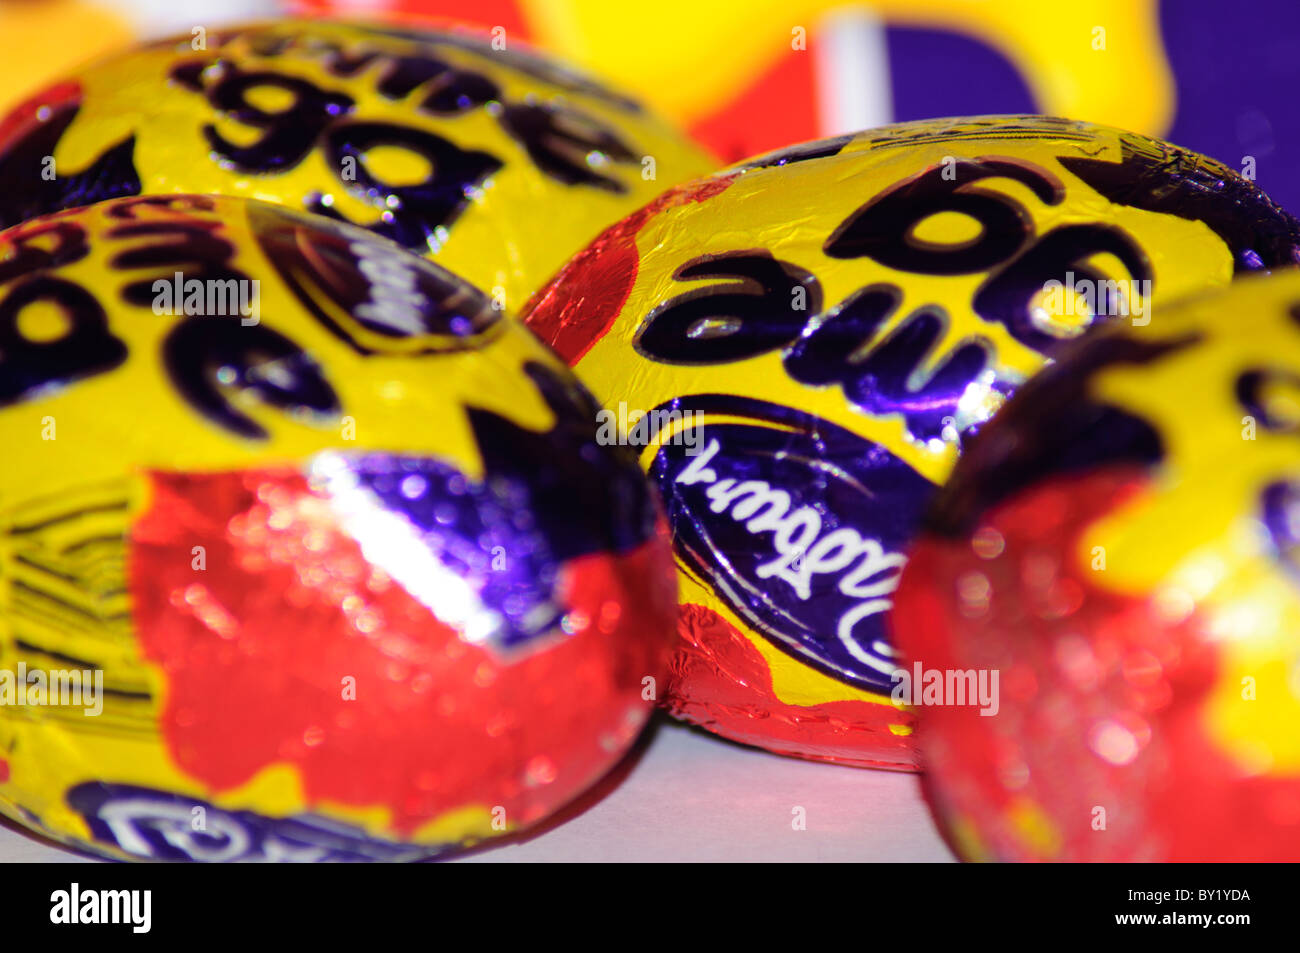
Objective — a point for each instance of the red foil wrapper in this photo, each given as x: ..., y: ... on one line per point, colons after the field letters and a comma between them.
x: 1102, y: 615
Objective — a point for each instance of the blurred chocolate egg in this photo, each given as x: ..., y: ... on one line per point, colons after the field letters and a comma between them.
x: 1116, y: 558
x: 495, y: 161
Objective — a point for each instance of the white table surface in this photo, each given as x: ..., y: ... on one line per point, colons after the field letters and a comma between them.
x: 684, y: 795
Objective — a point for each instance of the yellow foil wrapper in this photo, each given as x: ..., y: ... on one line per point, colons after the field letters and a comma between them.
x: 493, y: 160
x: 307, y: 552
x: 801, y: 344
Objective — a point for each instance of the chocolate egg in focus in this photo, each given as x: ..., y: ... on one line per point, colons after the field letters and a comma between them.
x: 333, y: 533
x: 1117, y: 553
x: 813, y: 335
x: 497, y: 162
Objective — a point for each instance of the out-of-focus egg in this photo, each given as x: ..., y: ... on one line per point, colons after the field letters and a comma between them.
x: 495, y: 161
x: 1110, y: 578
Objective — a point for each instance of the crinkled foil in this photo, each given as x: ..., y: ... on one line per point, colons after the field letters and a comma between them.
x: 328, y: 541
x: 802, y: 345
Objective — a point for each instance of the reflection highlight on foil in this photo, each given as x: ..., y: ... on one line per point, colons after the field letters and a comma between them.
x: 389, y: 541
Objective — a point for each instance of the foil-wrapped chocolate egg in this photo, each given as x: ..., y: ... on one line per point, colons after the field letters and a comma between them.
x: 494, y: 160
x: 1115, y: 560
x: 307, y: 552
x: 800, y: 346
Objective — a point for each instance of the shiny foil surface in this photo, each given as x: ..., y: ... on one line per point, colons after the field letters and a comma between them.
x: 1119, y: 545
x: 496, y: 161
x: 358, y: 580
x: 815, y: 334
